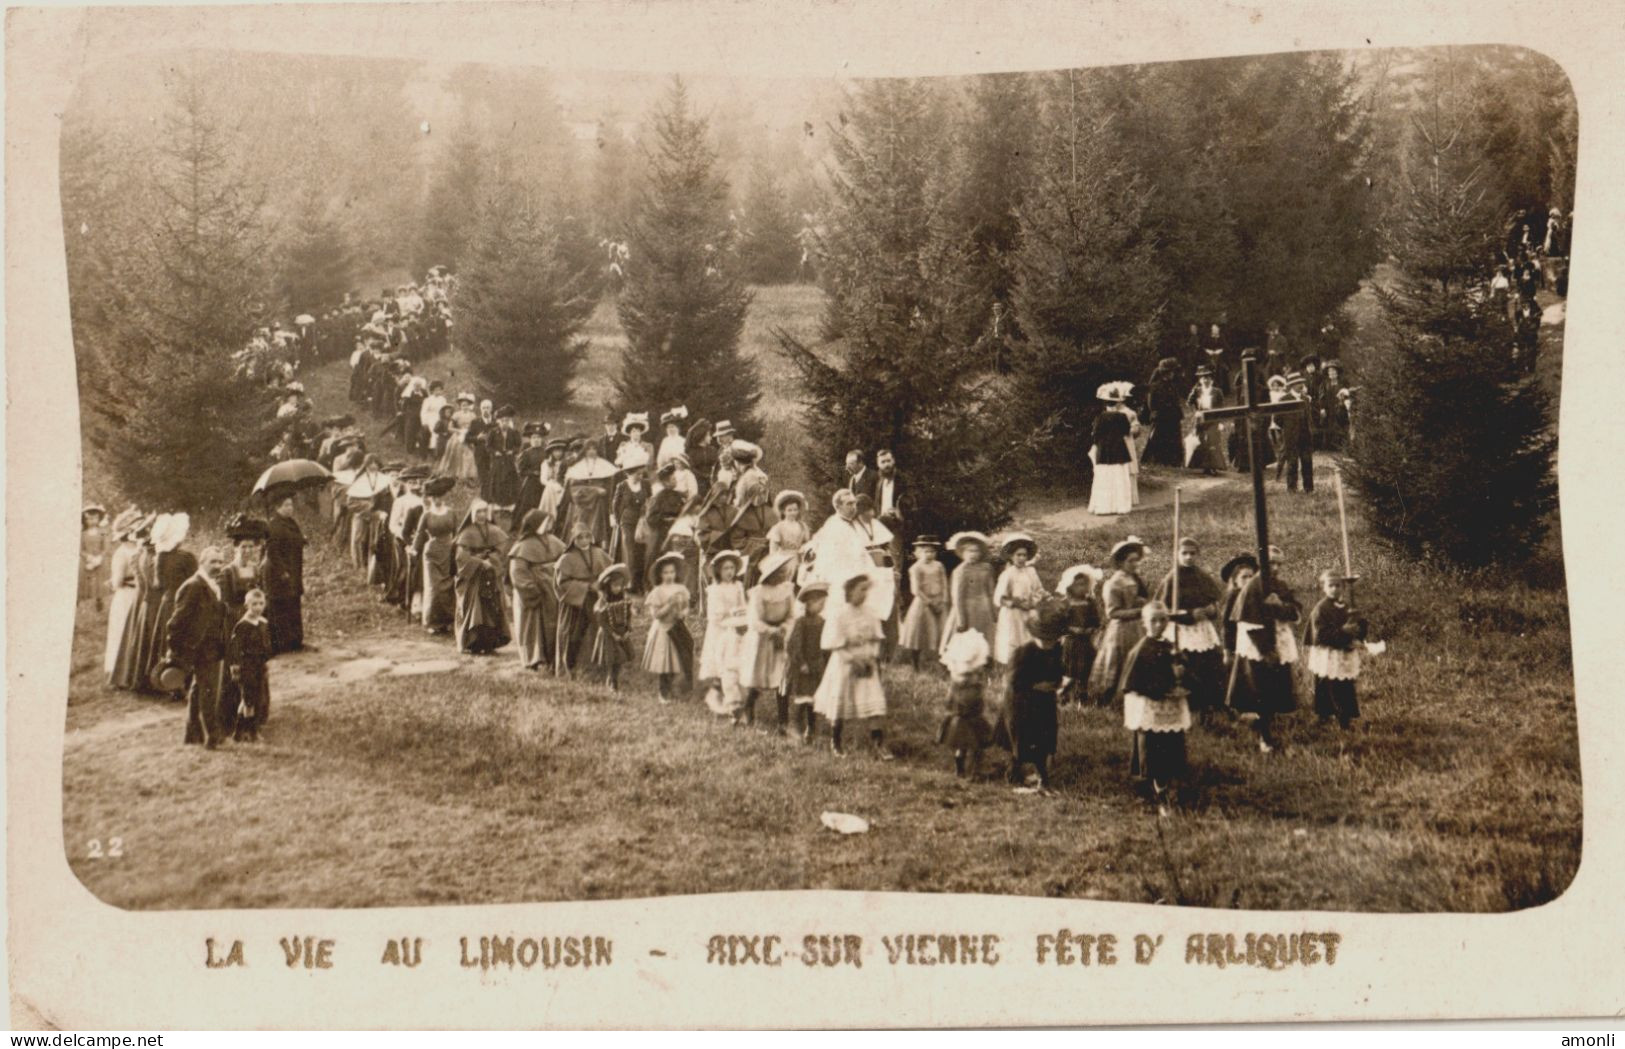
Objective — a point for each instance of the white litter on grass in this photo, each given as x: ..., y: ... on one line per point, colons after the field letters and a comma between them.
x: 425, y: 666
x: 1301, y: 832
x: 844, y: 823
x: 1024, y: 790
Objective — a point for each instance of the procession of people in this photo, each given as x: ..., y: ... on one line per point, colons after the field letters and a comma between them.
x: 504, y: 537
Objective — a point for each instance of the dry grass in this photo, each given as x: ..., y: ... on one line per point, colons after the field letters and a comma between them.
x: 483, y: 784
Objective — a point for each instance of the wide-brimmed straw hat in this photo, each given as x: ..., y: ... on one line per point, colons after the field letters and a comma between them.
x: 966, y: 651
x: 669, y: 558
x: 634, y: 419
x: 611, y: 572
x: 715, y: 564
x: 789, y: 495
x: 169, y: 531
x: 1133, y: 544
x: 959, y: 539
x: 772, y: 563
x: 1071, y: 575
x: 1019, y: 539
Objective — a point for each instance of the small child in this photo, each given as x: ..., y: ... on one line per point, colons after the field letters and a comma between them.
x: 246, y: 654
x: 850, y: 689
x: 1154, y: 706
x: 1036, y: 677
x: 927, y: 613
x: 1077, y: 585
x: 1017, y: 596
x: 1334, y: 635
x: 669, y: 649
x: 1193, y: 631
x: 725, y: 627
x: 612, y: 624
x: 964, y: 728
x: 769, y: 607
x: 805, y: 657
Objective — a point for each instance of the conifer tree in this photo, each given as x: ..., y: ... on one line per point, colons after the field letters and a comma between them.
x: 683, y: 305
x: 768, y: 250
x: 1088, y: 287
x: 522, y: 298
x: 449, y: 211
x: 315, y: 271
x: 1443, y: 404
x: 895, y: 370
x: 188, y: 296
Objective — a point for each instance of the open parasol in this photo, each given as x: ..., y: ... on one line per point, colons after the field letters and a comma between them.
x: 304, y: 318
x: 292, y: 476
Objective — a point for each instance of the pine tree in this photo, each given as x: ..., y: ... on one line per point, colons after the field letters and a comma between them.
x: 522, y: 299
x: 996, y: 151
x: 1443, y: 400
x: 896, y: 371
x: 1088, y: 287
x: 187, y: 297
x: 768, y: 250
x: 683, y: 305
x: 449, y: 209
x: 315, y: 271
x: 614, y: 180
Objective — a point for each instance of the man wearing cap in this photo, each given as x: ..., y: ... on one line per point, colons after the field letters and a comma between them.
x: 1297, y: 436
x: 195, y: 642
x: 502, y: 450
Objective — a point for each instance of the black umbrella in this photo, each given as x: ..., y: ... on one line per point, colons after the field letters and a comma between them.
x: 292, y: 476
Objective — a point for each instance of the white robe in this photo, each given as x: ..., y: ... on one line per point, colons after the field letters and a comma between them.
x: 840, y: 550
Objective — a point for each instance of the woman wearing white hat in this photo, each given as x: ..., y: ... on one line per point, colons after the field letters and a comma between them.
x: 1122, y: 597
x: 122, y: 581
x: 1112, y: 453
x: 769, y: 606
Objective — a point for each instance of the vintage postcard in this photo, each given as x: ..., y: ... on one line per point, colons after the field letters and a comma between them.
x: 812, y: 515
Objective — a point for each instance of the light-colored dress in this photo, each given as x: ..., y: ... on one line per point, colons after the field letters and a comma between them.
x: 852, y: 637
x: 122, y: 575
x: 719, y: 653
x: 787, y: 537
x: 928, y: 612
x: 667, y: 605
x: 1017, y: 595
x: 970, y: 595
x: 762, y: 660
x: 670, y: 448
x: 458, y: 458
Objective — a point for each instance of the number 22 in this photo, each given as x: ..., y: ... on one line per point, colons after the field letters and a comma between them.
x: 115, y: 848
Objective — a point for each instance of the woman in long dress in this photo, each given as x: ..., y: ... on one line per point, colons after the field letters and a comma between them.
x: 577, y: 575
x: 1210, y: 456
x: 1112, y: 452
x: 482, y: 618
x: 122, y: 579
x: 458, y: 461
x: 1122, y: 597
x: 134, y: 645
x: 535, y: 594
x: 435, y: 548
x: 244, y: 573
x: 769, y: 607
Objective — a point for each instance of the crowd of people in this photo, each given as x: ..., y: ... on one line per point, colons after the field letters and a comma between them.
x: 1533, y: 257
x: 501, y: 535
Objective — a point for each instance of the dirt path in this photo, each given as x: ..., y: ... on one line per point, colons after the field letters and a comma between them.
x: 1159, y: 499
x: 303, y: 676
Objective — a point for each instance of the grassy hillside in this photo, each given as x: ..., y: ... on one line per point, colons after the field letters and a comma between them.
x: 451, y: 779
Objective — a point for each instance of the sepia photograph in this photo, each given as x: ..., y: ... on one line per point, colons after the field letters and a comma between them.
x: 1133, y: 483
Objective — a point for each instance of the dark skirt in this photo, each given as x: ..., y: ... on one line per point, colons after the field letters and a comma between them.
x: 1078, y: 658
x: 285, y: 613
x: 253, y: 698
x: 130, y: 671
x: 482, y: 619
x: 1205, y: 679
x: 609, y: 651
x: 574, y: 623
x: 1166, y: 445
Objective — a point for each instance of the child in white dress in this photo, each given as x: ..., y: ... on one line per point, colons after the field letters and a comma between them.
x: 725, y: 625
x: 1016, y: 595
x: 851, y: 686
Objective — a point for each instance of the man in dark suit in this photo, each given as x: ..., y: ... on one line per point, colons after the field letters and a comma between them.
x: 196, y: 643
x: 859, y: 478
x: 1298, y: 436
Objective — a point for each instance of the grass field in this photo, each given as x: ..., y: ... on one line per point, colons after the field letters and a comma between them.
x: 394, y: 772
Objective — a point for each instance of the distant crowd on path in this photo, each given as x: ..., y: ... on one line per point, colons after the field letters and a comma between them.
x: 1162, y: 420
x: 1534, y: 256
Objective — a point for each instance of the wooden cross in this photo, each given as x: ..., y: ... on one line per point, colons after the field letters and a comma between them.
x: 1248, y: 413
